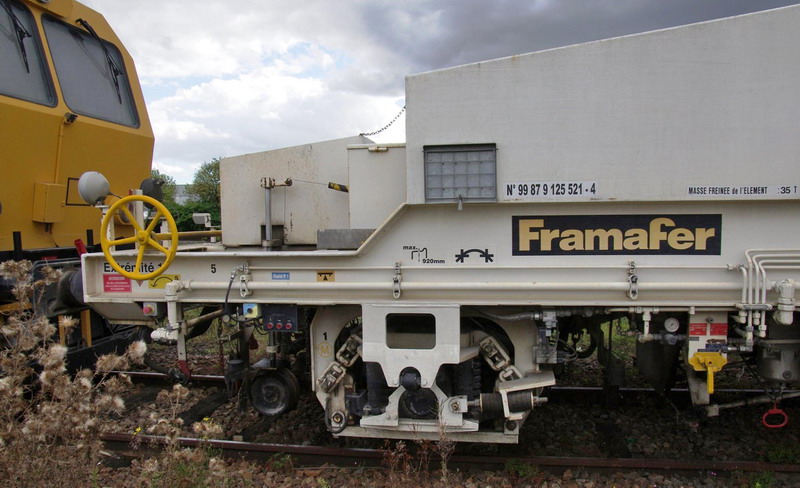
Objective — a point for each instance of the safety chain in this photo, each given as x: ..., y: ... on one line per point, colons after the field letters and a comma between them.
x: 345, y: 357
x: 387, y: 125
x: 498, y: 359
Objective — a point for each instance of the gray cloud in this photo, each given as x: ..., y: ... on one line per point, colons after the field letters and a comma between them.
x: 475, y: 30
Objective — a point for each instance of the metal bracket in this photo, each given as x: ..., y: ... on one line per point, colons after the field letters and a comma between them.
x: 396, y: 281
x: 244, y: 278
x: 633, y: 280
x: 331, y: 377
x: 244, y: 290
x: 270, y: 183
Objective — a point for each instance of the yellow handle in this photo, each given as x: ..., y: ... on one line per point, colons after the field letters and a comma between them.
x: 146, y: 238
x: 710, y: 381
x: 711, y: 362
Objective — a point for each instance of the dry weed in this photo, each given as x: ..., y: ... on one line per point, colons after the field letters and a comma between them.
x: 181, y: 466
x: 50, y: 421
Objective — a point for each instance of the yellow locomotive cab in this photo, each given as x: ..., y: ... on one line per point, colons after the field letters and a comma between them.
x: 70, y: 102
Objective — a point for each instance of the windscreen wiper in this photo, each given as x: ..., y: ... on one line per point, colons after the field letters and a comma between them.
x: 112, y: 65
x: 22, y: 33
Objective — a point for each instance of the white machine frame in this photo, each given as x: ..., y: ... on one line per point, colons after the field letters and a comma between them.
x: 683, y: 203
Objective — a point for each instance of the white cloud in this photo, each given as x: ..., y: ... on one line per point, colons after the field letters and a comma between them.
x: 222, y: 80
x: 268, y: 107
x: 208, y: 38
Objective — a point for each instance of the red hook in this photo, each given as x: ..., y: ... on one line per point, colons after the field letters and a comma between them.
x: 778, y: 412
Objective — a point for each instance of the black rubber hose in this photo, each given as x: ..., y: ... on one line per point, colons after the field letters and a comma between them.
x: 155, y: 367
x: 201, y: 327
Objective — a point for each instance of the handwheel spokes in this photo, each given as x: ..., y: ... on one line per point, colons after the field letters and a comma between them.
x: 140, y: 257
x: 130, y: 218
x: 155, y: 244
x: 152, y: 226
x: 123, y: 241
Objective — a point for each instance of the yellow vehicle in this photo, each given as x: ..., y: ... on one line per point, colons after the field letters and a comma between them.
x: 70, y: 102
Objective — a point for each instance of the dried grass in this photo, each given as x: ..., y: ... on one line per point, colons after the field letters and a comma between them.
x: 50, y: 421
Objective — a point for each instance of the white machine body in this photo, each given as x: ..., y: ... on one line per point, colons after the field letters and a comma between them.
x: 653, y: 176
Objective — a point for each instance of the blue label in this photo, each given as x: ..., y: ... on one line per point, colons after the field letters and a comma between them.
x: 280, y: 276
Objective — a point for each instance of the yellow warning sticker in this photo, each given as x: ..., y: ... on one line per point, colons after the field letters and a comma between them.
x: 326, y: 275
x: 162, y: 280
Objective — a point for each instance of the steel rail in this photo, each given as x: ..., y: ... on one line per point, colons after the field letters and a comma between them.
x: 652, y: 390
x: 317, y: 455
x: 148, y: 375
x: 151, y: 375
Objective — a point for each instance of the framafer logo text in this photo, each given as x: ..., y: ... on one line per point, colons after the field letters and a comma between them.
x: 616, y: 234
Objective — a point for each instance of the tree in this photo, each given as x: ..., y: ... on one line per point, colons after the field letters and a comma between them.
x: 205, y: 186
x: 168, y: 186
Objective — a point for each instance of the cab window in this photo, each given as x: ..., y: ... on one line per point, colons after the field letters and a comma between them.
x: 24, y: 73
x: 91, y: 73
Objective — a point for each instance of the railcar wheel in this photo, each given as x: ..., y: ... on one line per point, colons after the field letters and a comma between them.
x: 275, y: 392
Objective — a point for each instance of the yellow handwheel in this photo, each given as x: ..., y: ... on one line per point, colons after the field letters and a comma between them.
x: 145, y: 237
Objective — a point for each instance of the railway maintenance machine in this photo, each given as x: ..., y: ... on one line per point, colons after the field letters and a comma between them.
x: 70, y: 102
x: 654, y: 177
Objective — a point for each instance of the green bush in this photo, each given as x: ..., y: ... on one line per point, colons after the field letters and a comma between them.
x: 183, y: 214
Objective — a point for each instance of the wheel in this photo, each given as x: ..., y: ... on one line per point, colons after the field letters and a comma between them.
x: 144, y: 237
x: 275, y: 392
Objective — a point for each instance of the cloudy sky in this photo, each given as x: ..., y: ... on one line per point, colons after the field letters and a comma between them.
x: 224, y: 78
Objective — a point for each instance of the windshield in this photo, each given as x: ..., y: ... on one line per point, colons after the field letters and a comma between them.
x: 24, y: 73
x: 91, y: 73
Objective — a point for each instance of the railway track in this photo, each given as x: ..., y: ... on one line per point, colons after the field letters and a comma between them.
x: 582, y: 394
x: 151, y: 376
x: 308, y: 456
x: 601, y: 443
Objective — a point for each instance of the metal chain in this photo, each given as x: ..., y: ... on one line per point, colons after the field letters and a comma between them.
x: 387, y: 125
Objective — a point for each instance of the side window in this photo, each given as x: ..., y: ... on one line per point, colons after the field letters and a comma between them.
x: 91, y: 73
x: 410, y: 331
x: 466, y: 173
x: 24, y: 72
